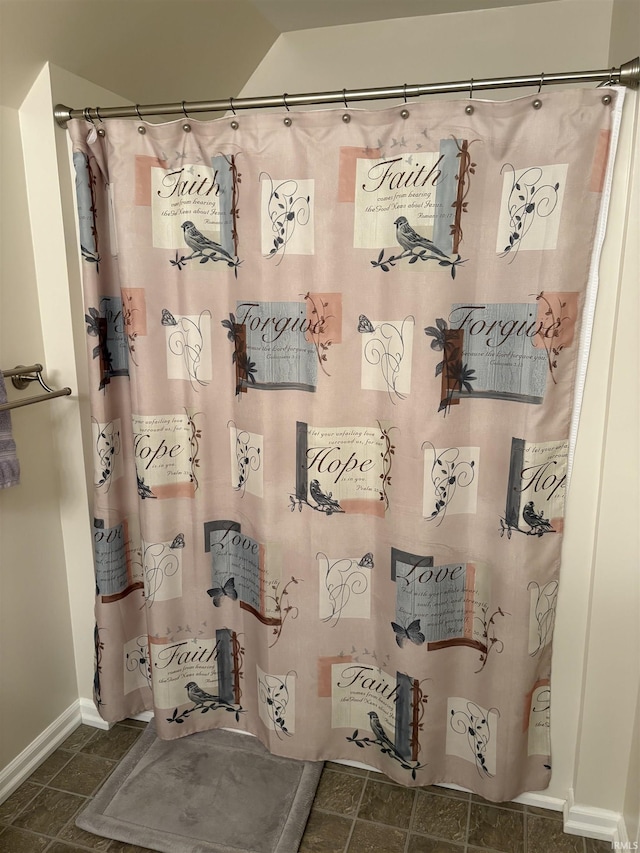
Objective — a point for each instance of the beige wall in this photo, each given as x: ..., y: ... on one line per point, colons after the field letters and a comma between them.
x: 625, y: 45
x: 36, y: 647
x: 625, y: 32
x: 555, y: 36
x: 631, y: 809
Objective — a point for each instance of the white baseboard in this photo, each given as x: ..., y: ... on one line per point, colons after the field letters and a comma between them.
x: 592, y: 822
x: 144, y: 716
x: 91, y: 717
x: 578, y: 819
x: 583, y: 820
x: 15, y: 773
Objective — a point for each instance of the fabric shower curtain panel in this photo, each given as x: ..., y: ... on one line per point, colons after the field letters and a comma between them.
x: 333, y: 363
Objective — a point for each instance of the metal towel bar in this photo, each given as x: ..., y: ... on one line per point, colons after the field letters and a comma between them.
x: 21, y: 376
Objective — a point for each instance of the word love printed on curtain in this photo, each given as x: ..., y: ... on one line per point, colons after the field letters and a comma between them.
x: 332, y: 367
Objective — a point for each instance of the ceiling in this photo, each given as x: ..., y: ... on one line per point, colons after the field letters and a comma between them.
x: 151, y: 51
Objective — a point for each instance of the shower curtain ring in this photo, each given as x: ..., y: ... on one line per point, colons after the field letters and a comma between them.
x: 608, y: 82
x: 138, y: 112
x: 231, y: 107
x: 284, y: 101
x: 344, y: 98
x: 471, y: 89
x: 87, y: 115
x: 186, y: 115
x: 405, y: 93
x: 541, y: 81
x: 99, y: 116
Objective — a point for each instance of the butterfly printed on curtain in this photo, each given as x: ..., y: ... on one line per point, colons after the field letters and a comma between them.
x: 178, y: 542
x: 167, y: 318
x: 365, y: 326
x: 228, y: 590
x: 411, y: 633
x: 367, y: 561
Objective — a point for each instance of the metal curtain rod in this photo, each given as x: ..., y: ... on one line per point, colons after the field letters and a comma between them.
x: 628, y: 74
x: 21, y: 376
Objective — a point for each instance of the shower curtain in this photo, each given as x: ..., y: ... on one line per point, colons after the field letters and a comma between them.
x: 334, y: 357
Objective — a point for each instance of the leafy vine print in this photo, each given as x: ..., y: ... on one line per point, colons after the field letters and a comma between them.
x: 282, y: 606
x: 387, y: 453
x: 274, y: 694
x: 237, y: 651
x: 343, y: 578
x: 529, y: 198
x: 107, y: 446
x: 286, y: 210
x: 138, y: 660
x: 127, y: 317
x: 448, y: 472
x: 187, y: 342
x: 473, y: 722
x: 489, y: 637
x: 97, y: 671
x: 247, y: 457
x: 317, y: 329
x: 245, y: 368
x: 546, y: 598
x: 467, y: 168
x: 97, y: 328
x: 195, y: 435
x: 236, y: 180
x: 88, y: 255
x: 160, y: 562
x: 387, y: 349
x: 457, y: 375
x: 554, y: 329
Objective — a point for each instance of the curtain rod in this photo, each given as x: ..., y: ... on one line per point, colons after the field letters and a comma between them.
x: 628, y: 74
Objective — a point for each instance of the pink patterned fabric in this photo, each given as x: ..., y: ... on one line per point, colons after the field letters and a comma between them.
x: 333, y: 369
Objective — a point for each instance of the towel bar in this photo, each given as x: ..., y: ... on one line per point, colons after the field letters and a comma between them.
x: 21, y: 376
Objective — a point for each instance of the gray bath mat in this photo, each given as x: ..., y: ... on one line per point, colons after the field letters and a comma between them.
x: 211, y: 792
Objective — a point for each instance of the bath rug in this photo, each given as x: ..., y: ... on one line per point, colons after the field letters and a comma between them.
x: 210, y: 792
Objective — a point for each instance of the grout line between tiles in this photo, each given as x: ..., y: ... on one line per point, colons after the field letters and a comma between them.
x: 355, y: 817
x: 414, y: 806
x: 466, y: 832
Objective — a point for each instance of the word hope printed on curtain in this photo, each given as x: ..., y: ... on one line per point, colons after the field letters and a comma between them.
x: 333, y: 371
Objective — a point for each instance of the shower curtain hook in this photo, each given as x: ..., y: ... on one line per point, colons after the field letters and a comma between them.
x: 471, y: 89
x: 186, y: 115
x: 284, y: 101
x: 405, y: 93
x: 231, y: 107
x: 541, y: 81
x: 138, y: 112
x: 608, y: 82
x: 87, y: 115
x: 344, y: 98
x: 99, y: 116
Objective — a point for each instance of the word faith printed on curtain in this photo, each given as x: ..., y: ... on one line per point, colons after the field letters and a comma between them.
x: 332, y: 368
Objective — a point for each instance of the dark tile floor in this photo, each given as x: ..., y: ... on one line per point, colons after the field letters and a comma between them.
x: 354, y: 811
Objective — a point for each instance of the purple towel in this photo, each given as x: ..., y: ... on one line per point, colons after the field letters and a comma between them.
x: 9, y: 465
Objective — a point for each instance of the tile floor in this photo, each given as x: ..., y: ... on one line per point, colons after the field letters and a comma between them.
x: 354, y: 811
